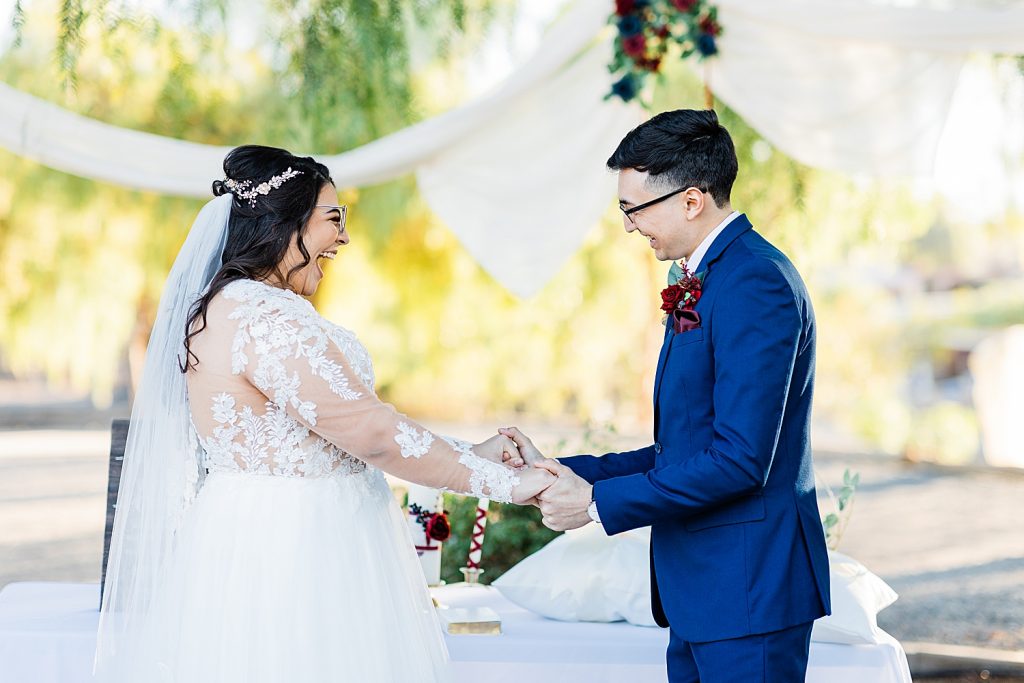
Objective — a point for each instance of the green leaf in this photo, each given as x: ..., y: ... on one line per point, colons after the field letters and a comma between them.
x: 675, y: 274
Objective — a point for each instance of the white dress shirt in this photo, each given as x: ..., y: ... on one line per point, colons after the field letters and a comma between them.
x: 693, y: 263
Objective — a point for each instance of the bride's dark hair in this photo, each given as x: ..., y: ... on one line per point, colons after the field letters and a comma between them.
x: 259, y: 235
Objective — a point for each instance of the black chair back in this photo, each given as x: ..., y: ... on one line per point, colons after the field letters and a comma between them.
x: 118, y: 440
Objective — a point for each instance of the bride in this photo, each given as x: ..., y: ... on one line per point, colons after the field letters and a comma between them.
x: 255, y: 537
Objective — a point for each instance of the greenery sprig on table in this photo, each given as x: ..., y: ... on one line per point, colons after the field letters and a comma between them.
x: 835, y: 522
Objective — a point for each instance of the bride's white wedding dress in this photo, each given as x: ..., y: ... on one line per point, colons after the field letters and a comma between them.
x: 293, y: 563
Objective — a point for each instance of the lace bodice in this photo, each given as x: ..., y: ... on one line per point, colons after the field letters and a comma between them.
x: 280, y: 390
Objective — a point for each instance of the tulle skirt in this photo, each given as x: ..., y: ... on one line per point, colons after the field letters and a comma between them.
x: 292, y: 580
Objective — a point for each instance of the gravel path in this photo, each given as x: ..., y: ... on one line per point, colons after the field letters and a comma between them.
x: 949, y: 542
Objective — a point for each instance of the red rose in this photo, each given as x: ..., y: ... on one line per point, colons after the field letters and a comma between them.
x: 624, y: 7
x: 670, y: 298
x: 634, y: 46
x: 684, y: 5
x: 663, y: 31
x: 438, y: 527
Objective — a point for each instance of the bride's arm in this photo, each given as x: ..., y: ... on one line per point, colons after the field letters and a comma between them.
x: 300, y: 369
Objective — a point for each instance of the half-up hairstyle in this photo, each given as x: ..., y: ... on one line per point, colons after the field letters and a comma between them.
x: 259, y: 232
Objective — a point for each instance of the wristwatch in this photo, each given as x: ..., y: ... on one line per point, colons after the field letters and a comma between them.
x: 592, y: 511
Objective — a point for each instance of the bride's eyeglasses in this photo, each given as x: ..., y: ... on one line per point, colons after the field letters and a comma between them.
x: 342, y: 209
x: 630, y: 212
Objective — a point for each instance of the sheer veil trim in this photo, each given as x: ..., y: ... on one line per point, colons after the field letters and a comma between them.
x: 160, y: 475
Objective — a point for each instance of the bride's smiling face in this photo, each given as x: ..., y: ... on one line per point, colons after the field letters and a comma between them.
x: 323, y: 235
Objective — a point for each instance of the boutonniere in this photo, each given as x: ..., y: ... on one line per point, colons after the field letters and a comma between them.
x: 435, y: 524
x: 679, y: 299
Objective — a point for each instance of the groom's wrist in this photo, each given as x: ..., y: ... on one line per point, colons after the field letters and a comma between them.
x: 592, y: 511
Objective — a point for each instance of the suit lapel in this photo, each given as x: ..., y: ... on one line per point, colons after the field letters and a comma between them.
x: 737, y: 227
x: 669, y: 332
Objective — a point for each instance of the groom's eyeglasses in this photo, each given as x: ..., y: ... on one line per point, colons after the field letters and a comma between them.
x: 630, y: 212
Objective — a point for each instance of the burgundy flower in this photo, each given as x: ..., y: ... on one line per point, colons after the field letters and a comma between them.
x: 624, y: 7
x: 670, y: 298
x: 438, y: 527
x: 710, y: 26
x: 684, y: 5
x: 635, y: 45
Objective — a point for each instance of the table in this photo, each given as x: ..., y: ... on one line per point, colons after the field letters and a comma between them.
x: 48, y: 633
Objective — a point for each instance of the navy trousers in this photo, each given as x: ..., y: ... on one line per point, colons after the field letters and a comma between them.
x: 777, y: 657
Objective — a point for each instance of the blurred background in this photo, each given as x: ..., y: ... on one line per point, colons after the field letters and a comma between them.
x: 918, y: 297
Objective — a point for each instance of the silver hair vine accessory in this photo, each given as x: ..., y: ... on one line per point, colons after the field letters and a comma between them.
x: 239, y: 188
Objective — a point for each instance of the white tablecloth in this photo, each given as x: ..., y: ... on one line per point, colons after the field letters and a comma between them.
x: 47, y: 635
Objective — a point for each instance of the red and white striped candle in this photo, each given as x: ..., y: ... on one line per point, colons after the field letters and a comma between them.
x: 476, y: 543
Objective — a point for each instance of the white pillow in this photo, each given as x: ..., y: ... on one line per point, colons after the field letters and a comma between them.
x: 857, y: 598
x: 586, y: 575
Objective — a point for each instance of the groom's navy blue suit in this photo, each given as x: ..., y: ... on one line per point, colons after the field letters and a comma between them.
x: 727, y: 487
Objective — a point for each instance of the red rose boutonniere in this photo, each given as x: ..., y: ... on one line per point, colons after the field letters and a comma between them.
x: 678, y: 300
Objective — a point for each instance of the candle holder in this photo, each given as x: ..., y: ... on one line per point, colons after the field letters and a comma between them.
x: 471, y: 575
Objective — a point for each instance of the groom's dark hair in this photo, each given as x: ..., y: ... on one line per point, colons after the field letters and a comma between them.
x: 682, y: 148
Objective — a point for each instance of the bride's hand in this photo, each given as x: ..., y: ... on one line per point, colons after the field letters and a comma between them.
x: 532, y: 481
x: 502, y: 450
x: 530, y: 454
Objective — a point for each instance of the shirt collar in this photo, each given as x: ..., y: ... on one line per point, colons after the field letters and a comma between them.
x: 693, y: 263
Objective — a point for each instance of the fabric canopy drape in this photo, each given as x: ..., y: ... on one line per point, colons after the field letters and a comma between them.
x: 518, y: 175
x: 852, y: 85
x: 866, y: 87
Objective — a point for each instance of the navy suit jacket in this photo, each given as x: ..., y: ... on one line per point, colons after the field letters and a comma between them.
x: 727, y: 487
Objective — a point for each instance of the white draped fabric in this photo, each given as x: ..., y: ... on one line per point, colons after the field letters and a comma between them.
x: 866, y: 87
x: 853, y: 85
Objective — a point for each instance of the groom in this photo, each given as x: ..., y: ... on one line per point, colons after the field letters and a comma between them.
x: 739, y: 569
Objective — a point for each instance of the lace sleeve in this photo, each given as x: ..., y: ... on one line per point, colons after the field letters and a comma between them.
x: 293, y: 362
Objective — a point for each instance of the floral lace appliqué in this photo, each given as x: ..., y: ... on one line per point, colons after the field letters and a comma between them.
x: 414, y: 444
x: 275, y: 337
x: 272, y: 443
x: 498, y: 480
x: 280, y: 324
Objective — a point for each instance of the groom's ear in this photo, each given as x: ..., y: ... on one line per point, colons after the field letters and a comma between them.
x: 693, y: 202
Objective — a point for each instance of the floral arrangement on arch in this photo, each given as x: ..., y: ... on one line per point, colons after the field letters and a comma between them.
x: 647, y: 28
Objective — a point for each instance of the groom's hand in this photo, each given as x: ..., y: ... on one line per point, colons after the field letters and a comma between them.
x: 532, y: 481
x: 564, y: 504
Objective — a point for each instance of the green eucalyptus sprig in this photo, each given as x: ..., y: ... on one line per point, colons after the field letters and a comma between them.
x: 835, y: 522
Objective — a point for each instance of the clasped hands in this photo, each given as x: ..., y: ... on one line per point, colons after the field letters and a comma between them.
x: 561, y: 494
